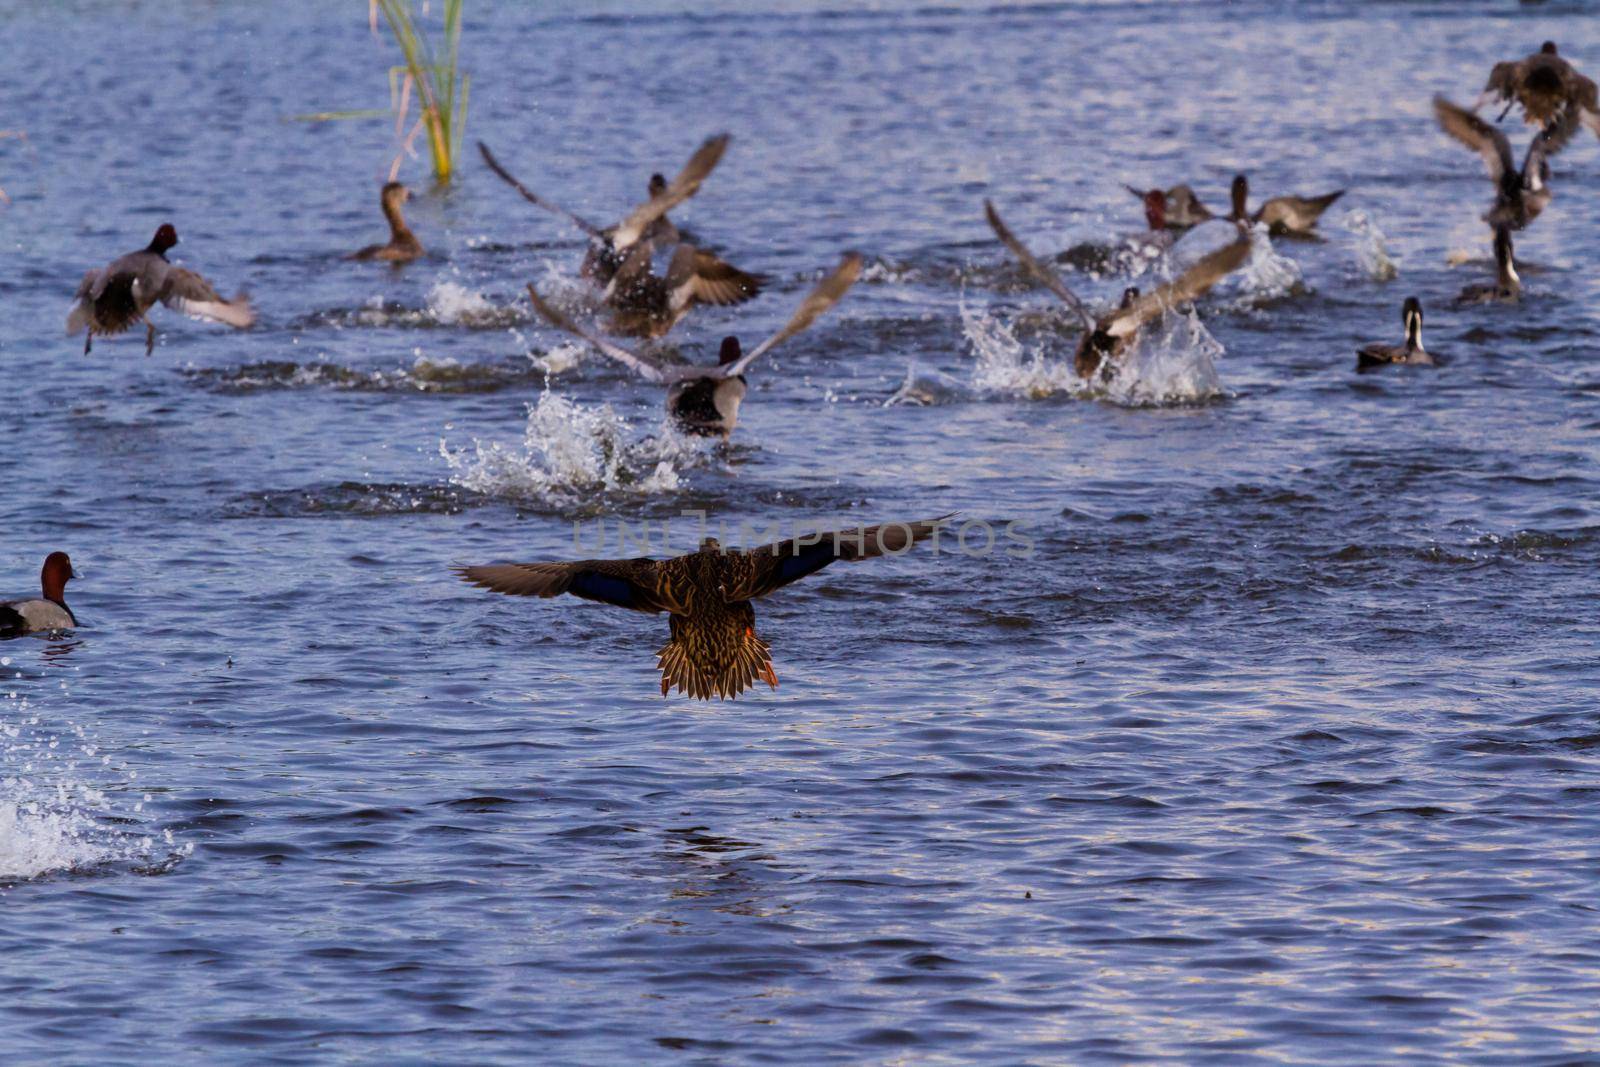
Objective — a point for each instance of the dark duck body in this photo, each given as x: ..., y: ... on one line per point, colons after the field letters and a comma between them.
x: 1507, y: 286
x: 402, y: 246
x: 1521, y: 195
x: 1294, y: 216
x: 1411, y: 352
x: 644, y: 305
x: 49, y: 611
x: 120, y: 294
x: 713, y: 650
x: 1546, y: 86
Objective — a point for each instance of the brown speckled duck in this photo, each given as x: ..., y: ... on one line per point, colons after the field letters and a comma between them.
x: 1107, y: 337
x: 705, y: 400
x: 120, y: 294
x: 1412, y: 352
x: 403, y: 245
x: 714, y: 650
x: 644, y: 305
x: 50, y: 611
x: 1520, y: 195
x: 1546, y: 86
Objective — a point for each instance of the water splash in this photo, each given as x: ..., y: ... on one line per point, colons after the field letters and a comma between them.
x: 568, y: 451
x: 1371, y: 247
x: 1008, y: 367
x: 926, y: 387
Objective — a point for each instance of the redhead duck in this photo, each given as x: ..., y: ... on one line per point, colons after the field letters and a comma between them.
x: 609, y: 246
x: 1294, y: 216
x: 1412, y: 352
x: 403, y: 245
x: 1546, y: 85
x: 713, y: 650
x: 116, y: 296
x: 1520, y: 195
x: 1507, y: 286
x: 1107, y: 337
x: 1181, y: 209
x: 647, y: 306
x: 705, y: 400
x: 50, y: 611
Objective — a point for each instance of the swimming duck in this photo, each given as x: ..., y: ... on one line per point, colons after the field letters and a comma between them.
x: 647, y: 306
x: 705, y: 400
x: 1295, y: 216
x: 50, y: 611
x: 1546, y: 85
x: 116, y: 296
x: 714, y: 650
x: 1180, y: 207
x: 1520, y: 195
x: 609, y: 246
x: 1107, y: 337
x: 1412, y: 352
x: 1507, y: 286
x: 403, y: 245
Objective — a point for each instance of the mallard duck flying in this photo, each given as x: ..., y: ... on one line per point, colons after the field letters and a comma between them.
x: 1520, y: 195
x: 403, y: 245
x: 714, y: 650
x: 1546, y: 86
x: 705, y: 400
x: 645, y: 305
x: 1107, y: 337
x: 116, y: 296
x: 1507, y: 286
x: 608, y: 247
x: 1379, y: 355
x: 1293, y: 215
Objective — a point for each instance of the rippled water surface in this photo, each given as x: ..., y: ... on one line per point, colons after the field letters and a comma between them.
x: 1281, y: 744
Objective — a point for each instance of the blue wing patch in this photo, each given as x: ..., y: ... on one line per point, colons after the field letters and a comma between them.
x: 809, y: 560
x: 607, y: 588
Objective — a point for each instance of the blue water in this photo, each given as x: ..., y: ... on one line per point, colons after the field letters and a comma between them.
x: 1282, y: 744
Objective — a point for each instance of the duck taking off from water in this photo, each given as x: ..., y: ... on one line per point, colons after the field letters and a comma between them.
x: 403, y: 245
x: 120, y: 294
x: 1520, y: 195
x: 1546, y: 86
x: 647, y: 306
x: 1294, y: 216
x: 1507, y: 286
x: 609, y: 247
x: 50, y: 611
x: 1106, y: 338
x: 714, y: 650
x: 1412, y: 352
x: 1180, y: 208
x: 705, y: 400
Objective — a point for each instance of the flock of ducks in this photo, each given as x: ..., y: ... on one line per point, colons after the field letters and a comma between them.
x: 714, y: 650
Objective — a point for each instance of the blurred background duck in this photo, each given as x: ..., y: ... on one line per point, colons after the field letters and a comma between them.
x: 1294, y: 216
x: 1507, y: 286
x: 1546, y: 86
x: 1411, y: 352
x: 403, y: 245
x: 1520, y: 194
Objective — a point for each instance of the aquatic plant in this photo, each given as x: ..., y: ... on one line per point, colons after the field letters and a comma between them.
x: 440, y: 88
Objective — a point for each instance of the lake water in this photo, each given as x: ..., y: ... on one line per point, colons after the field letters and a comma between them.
x: 1282, y: 743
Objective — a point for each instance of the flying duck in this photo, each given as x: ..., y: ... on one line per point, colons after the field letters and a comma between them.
x: 116, y: 296
x: 1180, y: 207
x: 1412, y: 352
x: 608, y: 247
x: 1546, y: 85
x: 1520, y: 195
x: 1283, y: 215
x: 714, y: 650
x: 50, y: 611
x: 1107, y: 337
x: 647, y: 306
x: 403, y: 245
x: 1507, y: 287
x: 705, y: 400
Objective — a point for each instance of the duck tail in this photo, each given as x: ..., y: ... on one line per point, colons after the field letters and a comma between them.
x: 1322, y: 203
x: 714, y: 658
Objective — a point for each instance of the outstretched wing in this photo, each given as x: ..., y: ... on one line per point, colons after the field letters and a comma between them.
x: 761, y: 570
x: 698, y: 277
x: 1191, y: 285
x: 187, y: 292
x: 685, y: 185
x: 646, y: 368
x: 534, y: 198
x: 824, y: 296
x: 1477, y: 135
x: 1041, y: 273
x: 626, y: 583
x: 1547, y: 142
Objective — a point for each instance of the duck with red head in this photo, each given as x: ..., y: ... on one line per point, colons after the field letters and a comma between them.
x: 403, y: 245
x: 49, y: 611
x: 1181, y: 209
x: 1292, y: 216
x: 119, y: 295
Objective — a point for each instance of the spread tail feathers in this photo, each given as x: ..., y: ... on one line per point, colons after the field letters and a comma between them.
x: 705, y: 660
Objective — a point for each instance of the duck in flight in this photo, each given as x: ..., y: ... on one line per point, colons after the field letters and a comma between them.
x: 713, y: 650
x: 1180, y: 208
x: 609, y: 247
x: 115, y: 297
x: 1546, y: 86
x: 1294, y: 216
x: 1520, y: 195
x: 403, y: 245
x: 704, y: 400
x: 1107, y: 337
x: 1411, y: 352
x: 644, y: 305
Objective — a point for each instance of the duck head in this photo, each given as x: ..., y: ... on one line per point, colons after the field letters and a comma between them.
x: 1548, y: 48
x: 1129, y: 295
x: 1411, y: 315
x: 1241, y: 195
x: 55, y: 575
x: 1155, y: 209
x: 164, y: 239
x: 730, y: 352
x: 710, y: 544
x: 395, y: 193
x: 658, y: 185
